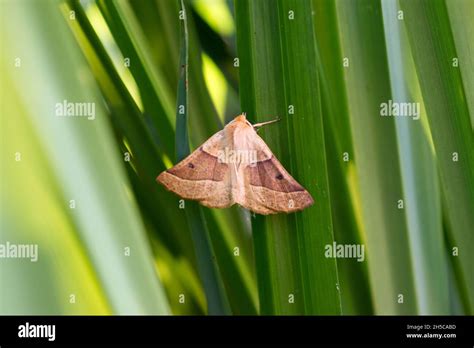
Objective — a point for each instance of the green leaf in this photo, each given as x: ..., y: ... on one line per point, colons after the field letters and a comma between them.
x: 460, y: 14
x: 375, y: 144
x: 447, y: 103
x: 131, y: 128
x: 217, y: 302
x: 277, y: 74
x: 418, y: 173
x: 353, y: 275
x: 85, y: 166
x: 154, y: 91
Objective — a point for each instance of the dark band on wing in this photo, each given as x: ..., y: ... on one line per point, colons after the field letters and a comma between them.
x: 200, y: 165
x: 267, y: 174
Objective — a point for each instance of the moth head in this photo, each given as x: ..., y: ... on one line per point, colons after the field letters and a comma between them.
x: 242, y: 120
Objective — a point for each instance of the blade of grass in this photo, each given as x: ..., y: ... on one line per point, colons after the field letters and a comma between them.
x: 218, y: 47
x: 81, y: 153
x: 419, y: 176
x: 236, y: 270
x: 353, y: 275
x: 447, y: 106
x: 128, y: 122
x: 376, y: 153
x: 62, y: 267
x: 162, y: 32
x: 276, y: 71
x: 217, y: 302
x: 153, y: 90
x: 460, y: 17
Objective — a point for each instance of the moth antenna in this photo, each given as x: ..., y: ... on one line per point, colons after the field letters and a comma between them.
x: 256, y: 126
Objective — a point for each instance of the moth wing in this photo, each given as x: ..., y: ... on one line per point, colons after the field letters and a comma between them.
x: 201, y: 176
x: 269, y: 188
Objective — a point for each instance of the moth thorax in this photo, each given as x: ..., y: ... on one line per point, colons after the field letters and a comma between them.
x: 238, y: 150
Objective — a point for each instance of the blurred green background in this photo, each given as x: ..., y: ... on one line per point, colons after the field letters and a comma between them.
x: 113, y: 241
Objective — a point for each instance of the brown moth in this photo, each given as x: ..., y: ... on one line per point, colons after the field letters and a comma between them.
x: 236, y: 166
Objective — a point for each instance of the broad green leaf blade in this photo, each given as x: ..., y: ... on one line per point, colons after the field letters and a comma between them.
x: 62, y: 267
x: 353, y: 274
x: 157, y: 101
x: 82, y: 153
x: 217, y: 302
x: 460, y: 18
x: 447, y: 107
x: 278, y: 77
x: 234, y: 256
x: 131, y: 128
x: 418, y: 173
x: 375, y: 145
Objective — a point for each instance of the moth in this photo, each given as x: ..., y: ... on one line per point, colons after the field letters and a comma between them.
x: 236, y: 166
